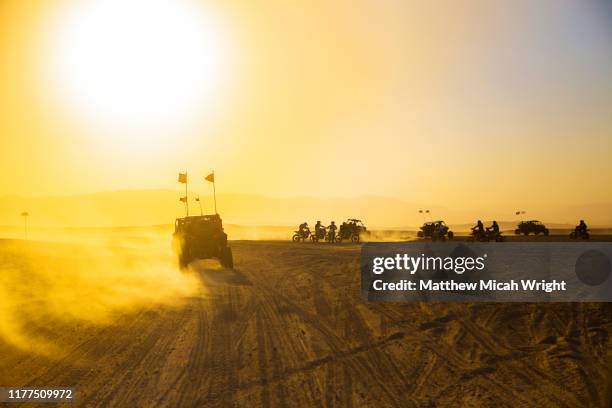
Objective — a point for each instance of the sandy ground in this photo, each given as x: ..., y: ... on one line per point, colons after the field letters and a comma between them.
x: 286, y: 328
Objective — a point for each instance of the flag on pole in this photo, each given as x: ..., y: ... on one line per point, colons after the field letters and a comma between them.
x: 182, y: 178
x: 197, y: 198
x: 211, y: 178
x: 183, y: 199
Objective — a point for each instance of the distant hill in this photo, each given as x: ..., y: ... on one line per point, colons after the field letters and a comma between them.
x: 153, y: 207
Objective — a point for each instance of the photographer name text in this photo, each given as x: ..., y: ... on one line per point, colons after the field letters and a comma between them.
x: 482, y: 285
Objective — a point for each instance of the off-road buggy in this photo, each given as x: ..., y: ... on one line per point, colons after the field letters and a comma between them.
x: 201, y: 237
x: 436, y: 230
x: 352, y: 229
x: 531, y: 227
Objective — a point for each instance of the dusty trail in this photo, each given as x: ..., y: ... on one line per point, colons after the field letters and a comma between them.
x: 288, y: 328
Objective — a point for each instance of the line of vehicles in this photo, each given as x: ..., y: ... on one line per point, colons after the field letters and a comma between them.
x: 439, y: 231
x: 203, y: 237
x: 353, y: 229
x: 350, y: 230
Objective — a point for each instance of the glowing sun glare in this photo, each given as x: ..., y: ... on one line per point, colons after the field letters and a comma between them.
x: 138, y: 62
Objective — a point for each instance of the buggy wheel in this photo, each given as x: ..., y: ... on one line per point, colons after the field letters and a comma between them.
x: 355, y: 238
x: 420, y: 234
x: 517, y: 232
x: 451, y: 235
x: 546, y: 232
x: 183, y: 261
x: 227, y: 259
x: 586, y: 236
x: 184, y: 258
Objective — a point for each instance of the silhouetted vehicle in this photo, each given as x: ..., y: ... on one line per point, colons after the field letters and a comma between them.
x: 331, y: 235
x: 485, y: 236
x: 581, y: 231
x: 531, y: 227
x: 352, y: 229
x: 301, y: 235
x: 436, y: 230
x: 201, y: 237
x: 580, y: 234
x: 320, y: 235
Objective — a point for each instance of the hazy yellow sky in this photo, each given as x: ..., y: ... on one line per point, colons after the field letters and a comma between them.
x: 457, y: 103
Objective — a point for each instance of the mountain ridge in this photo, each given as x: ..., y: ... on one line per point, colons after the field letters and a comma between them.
x: 161, y: 206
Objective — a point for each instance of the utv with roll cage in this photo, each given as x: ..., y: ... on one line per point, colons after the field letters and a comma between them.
x: 201, y: 237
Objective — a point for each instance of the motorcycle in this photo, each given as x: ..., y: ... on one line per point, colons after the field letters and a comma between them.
x: 495, y: 236
x: 486, y: 236
x: 331, y: 236
x: 301, y: 235
x: 319, y: 235
x: 577, y: 233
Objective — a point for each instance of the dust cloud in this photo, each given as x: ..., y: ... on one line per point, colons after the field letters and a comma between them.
x: 47, y: 286
x: 62, y: 277
x: 284, y: 233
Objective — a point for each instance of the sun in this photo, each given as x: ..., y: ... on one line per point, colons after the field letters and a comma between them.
x: 135, y: 63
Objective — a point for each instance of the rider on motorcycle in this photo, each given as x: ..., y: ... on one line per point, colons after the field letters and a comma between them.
x: 494, y: 227
x: 478, y: 228
x: 319, y: 230
x: 332, y: 231
x: 303, y: 229
x: 581, y: 228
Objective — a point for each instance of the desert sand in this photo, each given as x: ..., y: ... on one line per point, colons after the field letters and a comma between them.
x: 287, y: 327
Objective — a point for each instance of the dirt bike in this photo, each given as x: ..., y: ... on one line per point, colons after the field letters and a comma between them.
x: 319, y: 235
x: 486, y: 236
x: 495, y: 236
x: 477, y: 235
x: 576, y: 234
x: 301, y: 235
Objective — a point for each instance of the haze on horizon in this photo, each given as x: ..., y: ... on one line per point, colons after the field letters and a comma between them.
x: 461, y: 104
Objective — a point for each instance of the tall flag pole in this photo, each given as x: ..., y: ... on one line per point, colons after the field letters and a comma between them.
x: 25, y: 215
x: 182, y: 178
x: 199, y: 202
x: 211, y: 178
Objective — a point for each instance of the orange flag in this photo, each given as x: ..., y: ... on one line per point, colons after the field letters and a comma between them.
x: 182, y: 178
x: 210, y: 177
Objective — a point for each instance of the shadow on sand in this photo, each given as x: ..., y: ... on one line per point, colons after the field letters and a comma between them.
x: 212, y: 273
